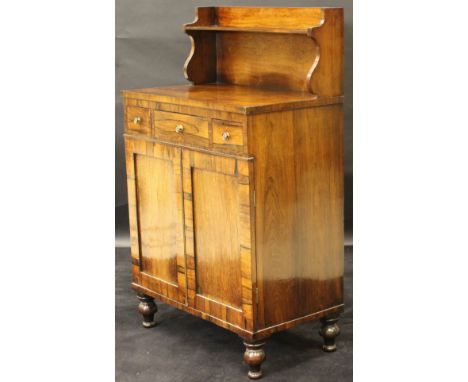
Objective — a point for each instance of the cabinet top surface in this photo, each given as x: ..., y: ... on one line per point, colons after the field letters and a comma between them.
x: 232, y: 98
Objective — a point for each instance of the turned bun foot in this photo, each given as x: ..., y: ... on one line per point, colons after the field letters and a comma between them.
x: 254, y: 356
x: 147, y: 309
x: 329, y: 331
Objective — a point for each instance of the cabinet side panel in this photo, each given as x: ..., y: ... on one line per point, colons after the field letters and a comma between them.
x: 318, y: 148
x: 299, y: 213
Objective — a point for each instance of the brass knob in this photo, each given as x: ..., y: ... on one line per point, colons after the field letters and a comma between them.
x: 137, y: 120
x: 226, y: 136
x: 179, y: 129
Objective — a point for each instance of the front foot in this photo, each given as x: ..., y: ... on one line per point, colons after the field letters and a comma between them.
x: 254, y: 356
x: 329, y: 331
x: 147, y: 309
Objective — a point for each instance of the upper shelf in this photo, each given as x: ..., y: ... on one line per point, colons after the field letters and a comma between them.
x: 217, y: 28
x: 298, y: 49
x: 258, y: 20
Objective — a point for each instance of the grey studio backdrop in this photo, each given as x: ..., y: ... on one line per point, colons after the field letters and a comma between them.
x: 151, y: 50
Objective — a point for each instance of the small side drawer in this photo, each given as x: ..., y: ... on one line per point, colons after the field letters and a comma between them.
x: 138, y: 119
x: 227, y: 136
x: 181, y: 128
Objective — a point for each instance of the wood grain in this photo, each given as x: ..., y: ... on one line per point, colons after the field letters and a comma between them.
x: 274, y: 30
x: 279, y: 48
x: 245, y: 231
x: 293, y: 18
x: 244, y: 333
x: 202, y: 55
x: 327, y: 78
x: 231, y: 98
x: 235, y: 141
x: 288, y: 19
x: 222, y: 194
x: 138, y: 119
x: 201, y: 112
x: 156, y: 217
x: 299, y: 216
x: 157, y: 212
x: 195, y: 130
x: 297, y: 229
x: 265, y: 60
x: 215, y: 200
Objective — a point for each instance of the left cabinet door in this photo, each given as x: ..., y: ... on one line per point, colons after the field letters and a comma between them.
x: 156, y: 217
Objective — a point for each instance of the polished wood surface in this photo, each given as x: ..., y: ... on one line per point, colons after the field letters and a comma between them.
x: 156, y: 217
x: 299, y: 197
x: 243, y: 333
x: 217, y: 189
x: 147, y: 308
x: 202, y: 53
x: 280, y: 48
x: 329, y: 331
x: 138, y: 119
x: 228, y: 136
x: 265, y: 70
x: 260, y: 17
x: 232, y: 98
x: 134, y: 98
x: 215, y: 200
x: 235, y: 184
x: 194, y: 130
x: 254, y: 355
x: 327, y: 77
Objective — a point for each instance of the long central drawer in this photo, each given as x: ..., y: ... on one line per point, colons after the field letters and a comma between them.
x: 181, y: 128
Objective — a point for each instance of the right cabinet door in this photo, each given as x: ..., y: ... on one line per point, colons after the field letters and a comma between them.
x: 217, y: 206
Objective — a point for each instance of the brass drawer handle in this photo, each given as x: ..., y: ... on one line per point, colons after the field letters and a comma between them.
x: 179, y: 129
x: 226, y: 136
x: 137, y: 120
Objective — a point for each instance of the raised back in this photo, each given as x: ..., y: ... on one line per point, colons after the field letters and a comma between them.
x: 281, y: 48
x: 283, y: 18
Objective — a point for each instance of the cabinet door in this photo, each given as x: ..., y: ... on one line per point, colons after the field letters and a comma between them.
x: 217, y: 205
x: 156, y: 217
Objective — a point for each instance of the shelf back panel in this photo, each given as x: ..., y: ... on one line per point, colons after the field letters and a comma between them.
x: 251, y: 17
x: 279, y: 61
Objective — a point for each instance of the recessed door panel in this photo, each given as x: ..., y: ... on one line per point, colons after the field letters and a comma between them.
x: 156, y: 217
x: 157, y: 212
x: 218, y: 212
x: 216, y: 228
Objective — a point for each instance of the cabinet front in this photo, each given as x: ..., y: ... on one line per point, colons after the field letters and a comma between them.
x: 217, y: 231
x: 190, y: 221
x: 156, y: 217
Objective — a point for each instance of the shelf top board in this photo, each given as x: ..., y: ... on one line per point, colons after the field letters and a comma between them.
x: 216, y: 28
x: 232, y: 98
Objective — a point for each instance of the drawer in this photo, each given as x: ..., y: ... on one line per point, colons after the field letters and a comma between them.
x: 138, y: 119
x: 181, y: 128
x: 228, y: 137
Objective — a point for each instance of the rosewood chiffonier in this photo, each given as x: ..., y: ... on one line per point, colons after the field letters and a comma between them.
x: 235, y: 182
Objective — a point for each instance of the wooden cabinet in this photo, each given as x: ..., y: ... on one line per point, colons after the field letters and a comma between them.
x: 235, y: 183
